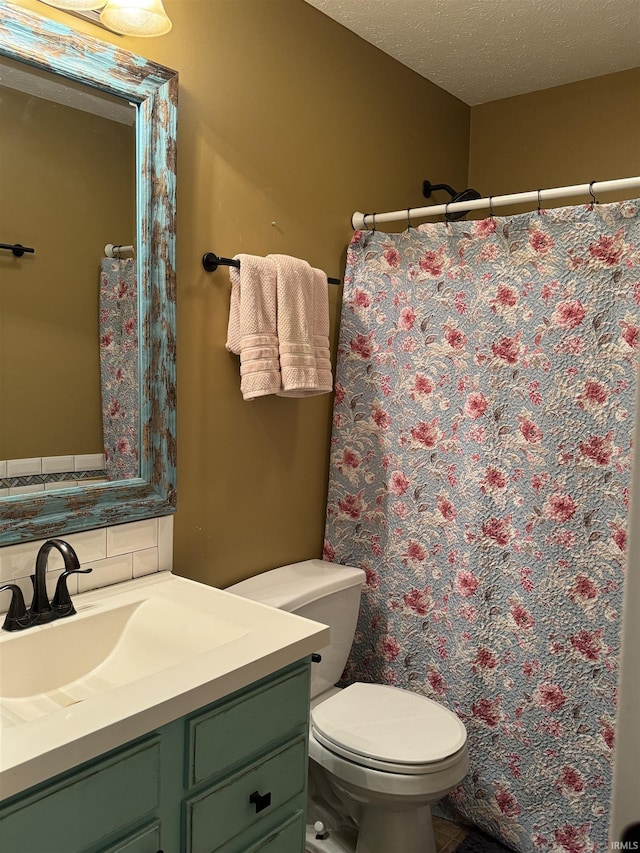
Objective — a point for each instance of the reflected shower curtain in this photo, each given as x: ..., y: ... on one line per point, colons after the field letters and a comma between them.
x: 480, y: 474
x: 119, y: 354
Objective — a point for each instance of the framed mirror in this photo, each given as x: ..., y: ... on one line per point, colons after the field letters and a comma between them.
x: 139, y: 480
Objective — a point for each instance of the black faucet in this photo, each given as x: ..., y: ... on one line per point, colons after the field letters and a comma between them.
x: 42, y: 610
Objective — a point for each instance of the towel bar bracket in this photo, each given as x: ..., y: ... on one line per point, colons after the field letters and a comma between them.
x: 211, y: 262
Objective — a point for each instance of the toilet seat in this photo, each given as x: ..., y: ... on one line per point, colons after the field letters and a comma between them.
x: 386, y: 728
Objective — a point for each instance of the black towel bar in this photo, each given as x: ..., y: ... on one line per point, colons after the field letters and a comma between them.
x: 211, y: 262
x: 17, y: 249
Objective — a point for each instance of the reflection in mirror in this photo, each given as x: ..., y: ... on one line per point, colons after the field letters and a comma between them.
x: 67, y: 156
x: 90, y: 153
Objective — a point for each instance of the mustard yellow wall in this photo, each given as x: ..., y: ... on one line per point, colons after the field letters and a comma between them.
x: 566, y: 135
x: 285, y: 117
x: 66, y: 189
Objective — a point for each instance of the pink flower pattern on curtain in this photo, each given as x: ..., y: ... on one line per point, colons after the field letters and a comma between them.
x: 480, y: 475
x: 119, y: 355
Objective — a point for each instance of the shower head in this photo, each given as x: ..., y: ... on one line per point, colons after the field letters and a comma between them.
x: 464, y: 195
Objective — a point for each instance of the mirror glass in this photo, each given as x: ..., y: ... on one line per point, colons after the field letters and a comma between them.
x: 87, y: 343
x: 67, y: 156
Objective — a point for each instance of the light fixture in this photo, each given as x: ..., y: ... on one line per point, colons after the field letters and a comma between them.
x: 135, y: 17
x: 128, y: 17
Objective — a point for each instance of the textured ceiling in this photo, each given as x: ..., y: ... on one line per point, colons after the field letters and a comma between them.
x: 483, y: 50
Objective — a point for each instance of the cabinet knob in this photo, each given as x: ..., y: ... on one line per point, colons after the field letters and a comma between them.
x: 260, y: 801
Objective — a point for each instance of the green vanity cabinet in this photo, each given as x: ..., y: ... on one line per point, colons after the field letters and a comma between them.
x: 227, y: 778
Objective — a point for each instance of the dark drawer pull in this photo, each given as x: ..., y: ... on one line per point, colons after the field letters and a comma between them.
x: 260, y: 801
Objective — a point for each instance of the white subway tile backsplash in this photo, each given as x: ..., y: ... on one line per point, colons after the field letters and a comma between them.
x: 24, y: 467
x: 145, y: 562
x: 137, y: 549
x: 165, y: 543
x: 134, y: 536
x: 57, y: 464
x: 106, y: 572
x: 18, y: 561
x: 88, y: 545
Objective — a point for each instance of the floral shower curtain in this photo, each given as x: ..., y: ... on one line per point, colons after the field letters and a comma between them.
x: 119, y: 358
x: 480, y: 473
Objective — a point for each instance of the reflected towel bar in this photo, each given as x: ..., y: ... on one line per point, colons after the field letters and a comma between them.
x: 211, y: 262
x: 17, y: 249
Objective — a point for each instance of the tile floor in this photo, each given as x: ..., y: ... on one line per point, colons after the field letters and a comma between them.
x: 448, y: 835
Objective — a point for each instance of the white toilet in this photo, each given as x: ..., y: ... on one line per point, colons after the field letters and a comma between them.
x: 379, y: 755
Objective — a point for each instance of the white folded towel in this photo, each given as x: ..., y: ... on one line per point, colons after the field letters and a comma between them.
x: 303, y: 328
x: 252, y: 332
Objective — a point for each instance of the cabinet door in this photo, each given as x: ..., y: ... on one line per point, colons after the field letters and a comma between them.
x: 82, y: 810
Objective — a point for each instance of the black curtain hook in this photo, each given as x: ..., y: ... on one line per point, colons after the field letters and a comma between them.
x: 446, y: 211
x: 374, y: 223
x: 491, y: 213
x: 409, y: 225
x: 539, y: 203
x: 594, y: 200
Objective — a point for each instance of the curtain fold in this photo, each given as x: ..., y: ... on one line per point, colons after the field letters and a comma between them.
x: 119, y: 358
x: 480, y: 474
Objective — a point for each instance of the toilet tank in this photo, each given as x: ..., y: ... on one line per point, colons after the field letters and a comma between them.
x: 325, y: 592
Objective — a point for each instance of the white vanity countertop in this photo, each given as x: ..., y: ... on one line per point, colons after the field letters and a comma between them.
x: 179, y: 645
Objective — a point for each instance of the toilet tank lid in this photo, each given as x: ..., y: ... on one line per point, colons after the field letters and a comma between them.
x: 291, y: 587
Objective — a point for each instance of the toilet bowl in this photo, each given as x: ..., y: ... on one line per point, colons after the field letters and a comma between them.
x: 379, y: 755
x: 388, y: 754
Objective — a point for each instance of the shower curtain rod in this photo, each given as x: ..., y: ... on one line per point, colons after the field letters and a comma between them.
x: 114, y: 251
x: 368, y: 220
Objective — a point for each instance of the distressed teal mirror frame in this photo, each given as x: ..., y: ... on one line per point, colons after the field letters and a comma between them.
x: 45, y: 44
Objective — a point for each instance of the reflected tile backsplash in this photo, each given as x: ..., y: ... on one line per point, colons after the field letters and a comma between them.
x: 40, y: 474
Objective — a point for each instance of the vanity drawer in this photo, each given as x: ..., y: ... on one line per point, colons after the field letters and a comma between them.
x: 220, y: 813
x: 86, y: 807
x: 287, y: 837
x: 237, y: 730
x: 146, y: 840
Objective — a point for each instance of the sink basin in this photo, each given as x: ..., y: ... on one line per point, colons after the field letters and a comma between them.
x: 134, y: 657
x: 101, y: 648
